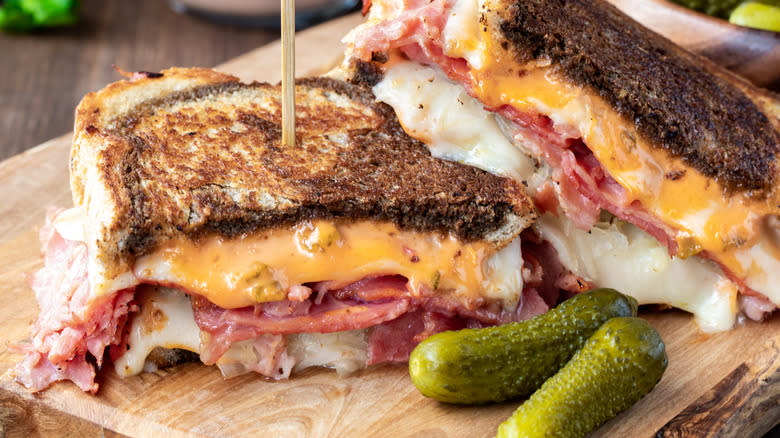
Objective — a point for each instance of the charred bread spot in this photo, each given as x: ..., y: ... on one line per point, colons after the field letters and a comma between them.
x: 150, y: 74
x: 271, y: 129
x: 379, y: 57
x: 168, y: 357
x: 365, y: 73
x: 676, y: 101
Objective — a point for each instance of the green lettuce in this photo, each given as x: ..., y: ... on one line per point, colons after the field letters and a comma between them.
x: 26, y: 15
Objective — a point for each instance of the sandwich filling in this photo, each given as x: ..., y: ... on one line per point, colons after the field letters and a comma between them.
x: 343, y: 295
x: 594, y: 157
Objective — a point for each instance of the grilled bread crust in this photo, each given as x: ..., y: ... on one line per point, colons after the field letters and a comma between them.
x: 715, y: 122
x: 196, y: 152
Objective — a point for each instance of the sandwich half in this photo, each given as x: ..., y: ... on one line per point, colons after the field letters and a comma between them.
x: 196, y: 233
x: 656, y: 172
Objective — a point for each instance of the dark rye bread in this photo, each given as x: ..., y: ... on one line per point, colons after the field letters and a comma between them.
x: 712, y: 121
x: 196, y: 152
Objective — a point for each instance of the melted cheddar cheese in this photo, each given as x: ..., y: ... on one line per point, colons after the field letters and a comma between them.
x: 691, y: 203
x: 256, y: 268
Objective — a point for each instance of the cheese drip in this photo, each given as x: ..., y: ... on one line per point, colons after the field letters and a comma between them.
x: 165, y: 320
x: 621, y: 256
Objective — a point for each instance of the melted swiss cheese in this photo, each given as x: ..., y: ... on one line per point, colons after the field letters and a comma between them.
x: 165, y: 320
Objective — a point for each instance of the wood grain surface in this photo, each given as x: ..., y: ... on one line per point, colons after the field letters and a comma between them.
x: 719, y: 385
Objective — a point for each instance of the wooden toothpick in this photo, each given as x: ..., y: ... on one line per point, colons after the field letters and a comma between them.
x: 288, y: 72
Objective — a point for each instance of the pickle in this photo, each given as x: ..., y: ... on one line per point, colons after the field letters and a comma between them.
x: 474, y: 366
x: 261, y: 284
x: 620, y: 363
x: 757, y: 15
x: 317, y: 237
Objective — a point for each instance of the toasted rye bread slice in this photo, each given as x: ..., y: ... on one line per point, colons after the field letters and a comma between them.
x: 717, y: 123
x: 196, y: 152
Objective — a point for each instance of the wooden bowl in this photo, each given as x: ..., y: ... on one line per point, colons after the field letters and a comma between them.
x: 751, y: 53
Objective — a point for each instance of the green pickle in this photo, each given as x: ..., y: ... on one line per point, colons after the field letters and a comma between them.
x: 757, y: 15
x: 619, y: 364
x: 475, y: 366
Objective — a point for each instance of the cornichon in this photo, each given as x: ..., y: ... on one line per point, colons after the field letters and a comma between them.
x: 620, y: 363
x: 474, y: 366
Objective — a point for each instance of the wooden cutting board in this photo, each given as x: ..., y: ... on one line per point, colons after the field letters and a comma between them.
x: 726, y: 384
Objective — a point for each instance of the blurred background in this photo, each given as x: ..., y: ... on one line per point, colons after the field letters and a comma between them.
x: 50, y: 58
x: 44, y: 73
